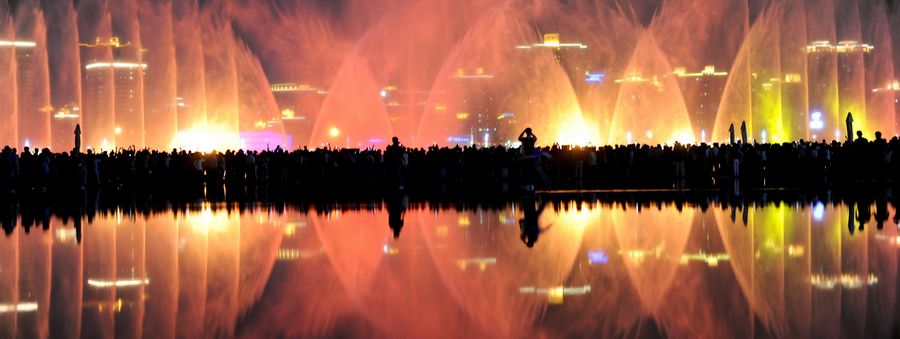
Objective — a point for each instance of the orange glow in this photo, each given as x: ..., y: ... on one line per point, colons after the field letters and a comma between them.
x: 577, y: 131
x: 207, y: 139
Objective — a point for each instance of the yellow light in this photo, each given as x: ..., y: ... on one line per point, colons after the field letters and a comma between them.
x: 118, y: 130
x: 290, y: 229
x: 792, y: 78
x: 260, y: 124
x: 334, y: 132
x: 440, y: 108
x: 207, y: 138
x: 463, y: 221
x: 551, y: 39
x: 577, y: 131
x: 288, y: 113
x: 555, y: 295
x: 462, y: 116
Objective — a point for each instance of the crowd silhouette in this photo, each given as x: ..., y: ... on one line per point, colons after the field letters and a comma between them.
x: 242, y: 173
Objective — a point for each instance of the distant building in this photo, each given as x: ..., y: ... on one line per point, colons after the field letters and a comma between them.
x: 892, y: 91
x: 481, y: 121
x: 702, y: 93
x: 32, y: 96
x: 64, y: 121
x: 112, y: 87
x: 831, y: 70
x: 299, y: 105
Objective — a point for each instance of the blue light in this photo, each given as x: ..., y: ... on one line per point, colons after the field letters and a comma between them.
x: 815, y: 120
x: 594, y: 77
x: 598, y: 257
x: 458, y: 140
x: 818, y: 211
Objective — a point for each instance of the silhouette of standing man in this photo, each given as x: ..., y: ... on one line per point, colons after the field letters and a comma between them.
x: 531, y: 160
x: 395, y: 159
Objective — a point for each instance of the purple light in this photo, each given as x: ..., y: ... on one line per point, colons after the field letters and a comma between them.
x: 598, y: 257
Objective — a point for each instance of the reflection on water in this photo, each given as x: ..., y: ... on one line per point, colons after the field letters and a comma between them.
x: 533, y: 268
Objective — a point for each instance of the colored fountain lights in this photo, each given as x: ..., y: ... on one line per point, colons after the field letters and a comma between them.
x: 187, y: 79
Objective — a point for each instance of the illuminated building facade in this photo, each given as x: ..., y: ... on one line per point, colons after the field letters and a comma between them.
x: 852, y: 80
x: 63, y: 124
x: 32, y: 98
x: 481, y: 122
x: 636, y: 82
x: 892, y: 92
x: 795, y: 116
x: 702, y: 93
x: 299, y: 105
x: 835, y: 74
x: 112, y: 99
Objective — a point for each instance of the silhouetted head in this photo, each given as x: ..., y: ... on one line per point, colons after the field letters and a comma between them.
x: 877, y: 134
x: 395, y: 140
x: 859, y: 134
x: 528, y: 130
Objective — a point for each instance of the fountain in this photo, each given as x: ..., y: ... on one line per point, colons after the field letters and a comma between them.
x: 200, y: 74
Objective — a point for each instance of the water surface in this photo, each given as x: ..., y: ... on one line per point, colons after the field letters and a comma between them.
x: 594, y: 270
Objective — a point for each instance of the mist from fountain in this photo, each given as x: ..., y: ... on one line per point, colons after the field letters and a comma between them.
x: 197, y: 74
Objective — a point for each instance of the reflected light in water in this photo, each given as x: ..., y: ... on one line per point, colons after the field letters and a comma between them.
x: 695, y: 272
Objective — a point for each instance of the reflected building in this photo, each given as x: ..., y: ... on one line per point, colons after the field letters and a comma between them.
x: 702, y: 93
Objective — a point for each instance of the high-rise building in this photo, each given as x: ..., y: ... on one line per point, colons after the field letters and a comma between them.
x: 702, y: 93
x: 112, y: 103
x: 892, y: 92
x: 774, y: 101
x: 571, y: 55
x: 32, y: 97
x: 299, y: 105
x: 830, y: 70
x: 481, y: 121
x: 64, y: 121
x: 793, y: 106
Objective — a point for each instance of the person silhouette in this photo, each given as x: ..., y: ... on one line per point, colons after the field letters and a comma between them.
x: 395, y: 161
x: 860, y: 139
x: 528, y: 140
x: 531, y: 159
x: 528, y: 225
x: 396, y: 206
x: 77, y: 148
